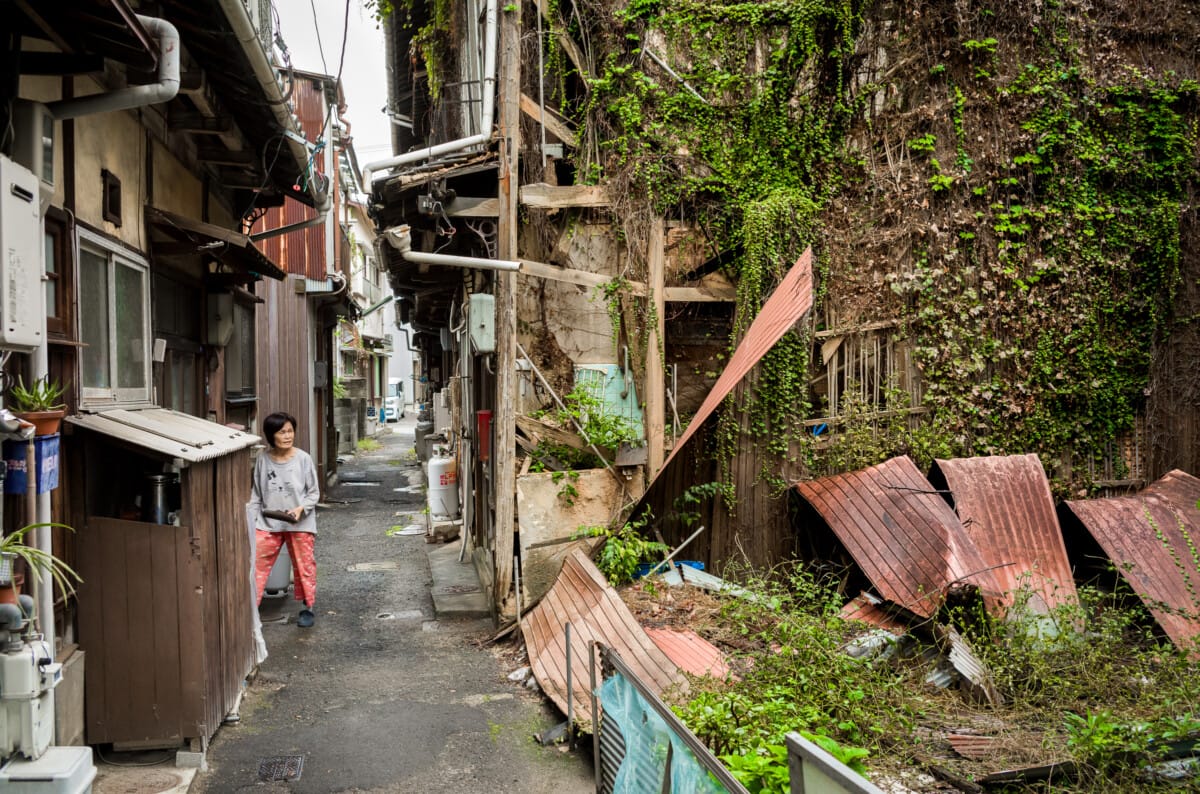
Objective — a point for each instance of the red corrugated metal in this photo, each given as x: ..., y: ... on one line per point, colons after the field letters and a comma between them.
x: 866, y: 609
x: 1147, y: 538
x: 970, y: 745
x: 301, y: 252
x: 690, y: 652
x: 787, y: 304
x: 907, y: 540
x: 580, y: 596
x: 1005, y: 506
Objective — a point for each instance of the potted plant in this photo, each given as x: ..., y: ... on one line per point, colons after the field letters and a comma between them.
x: 37, y: 561
x: 41, y: 404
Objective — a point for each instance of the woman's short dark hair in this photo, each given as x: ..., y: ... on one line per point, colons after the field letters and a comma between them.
x: 275, y: 422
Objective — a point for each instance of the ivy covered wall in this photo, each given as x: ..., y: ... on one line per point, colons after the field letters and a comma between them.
x: 1007, y: 183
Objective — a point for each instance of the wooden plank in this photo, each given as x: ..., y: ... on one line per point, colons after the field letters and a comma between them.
x: 504, y: 424
x: 473, y: 207
x: 656, y: 389
x: 699, y: 294
x: 555, y: 124
x: 164, y: 547
x: 543, y: 196
x: 570, y: 275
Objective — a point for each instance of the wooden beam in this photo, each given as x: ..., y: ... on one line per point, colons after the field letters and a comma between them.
x: 556, y: 125
x: 198, y: 123
x: 564, y: 40
x: 569, y: 275
x: 544, y: 196
x: 221, y: 156
x: 504, y: 427
x: 473, y: 207
x: 656, y: 389
x: 63, y: 63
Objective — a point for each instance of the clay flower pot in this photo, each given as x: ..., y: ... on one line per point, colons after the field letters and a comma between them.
x: 45, y: 423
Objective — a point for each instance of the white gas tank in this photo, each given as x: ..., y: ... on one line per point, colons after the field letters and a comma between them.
x: 443, y: 485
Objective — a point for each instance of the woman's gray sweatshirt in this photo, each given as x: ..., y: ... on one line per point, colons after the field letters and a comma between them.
x: 285, y: 486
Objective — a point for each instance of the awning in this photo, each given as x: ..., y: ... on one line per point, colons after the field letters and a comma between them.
x: 167, y: 433
x: 235, y: 255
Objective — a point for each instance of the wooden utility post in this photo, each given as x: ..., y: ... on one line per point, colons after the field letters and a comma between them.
x: 505, y: 424
x: 655, y: 374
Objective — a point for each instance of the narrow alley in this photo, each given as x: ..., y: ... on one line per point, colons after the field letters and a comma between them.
x: 380, y: 695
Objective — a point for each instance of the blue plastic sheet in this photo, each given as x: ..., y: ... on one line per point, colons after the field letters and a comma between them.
x: 647, y: 739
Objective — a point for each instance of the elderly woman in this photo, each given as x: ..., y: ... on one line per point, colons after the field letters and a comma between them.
x: 284, y: 497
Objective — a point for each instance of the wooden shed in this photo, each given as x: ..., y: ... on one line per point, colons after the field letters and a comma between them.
x: 165, y: 609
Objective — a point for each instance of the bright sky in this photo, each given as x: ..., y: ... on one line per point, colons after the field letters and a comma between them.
x: 364, y: 75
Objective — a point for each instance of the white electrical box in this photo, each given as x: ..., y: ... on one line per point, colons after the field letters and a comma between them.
x: 481, y: 315
x: 22, y: 260
x: 220, y: 318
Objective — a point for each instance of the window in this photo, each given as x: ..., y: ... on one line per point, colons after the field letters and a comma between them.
x: 110, y: 196
x: 57, y: 253
x: 239, y: 354
x: 113, y: 323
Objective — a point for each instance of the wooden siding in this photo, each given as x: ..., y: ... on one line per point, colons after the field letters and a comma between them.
x: 284, y: 359
x: 165, y: 613
x: 140, y: 606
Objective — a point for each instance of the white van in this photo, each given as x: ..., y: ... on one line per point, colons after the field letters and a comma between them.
x: 393, y: 400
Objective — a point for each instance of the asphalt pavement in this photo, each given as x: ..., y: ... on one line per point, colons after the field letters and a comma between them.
x: 380, y: 696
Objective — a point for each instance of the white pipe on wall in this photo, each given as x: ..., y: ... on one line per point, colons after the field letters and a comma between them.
x: 400, y: 238
x: 491, y: 34
x: 137, y: 95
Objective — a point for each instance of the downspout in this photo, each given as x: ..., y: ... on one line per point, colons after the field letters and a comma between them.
x: 491, y: 34
x: 133, y: 96
x: 264, y: 72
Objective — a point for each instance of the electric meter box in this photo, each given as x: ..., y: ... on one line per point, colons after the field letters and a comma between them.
x: 481, y: 315
x: 22, y: 260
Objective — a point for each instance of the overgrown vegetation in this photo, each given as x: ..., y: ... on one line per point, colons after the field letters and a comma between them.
x: 1107, y: 694
x: 1008, y: 192
x: 584, y: 409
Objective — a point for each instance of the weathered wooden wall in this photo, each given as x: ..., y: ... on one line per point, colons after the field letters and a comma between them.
x: 284, y: 358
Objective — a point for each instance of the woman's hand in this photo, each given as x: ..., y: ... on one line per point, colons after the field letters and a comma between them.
x: 297, y: 512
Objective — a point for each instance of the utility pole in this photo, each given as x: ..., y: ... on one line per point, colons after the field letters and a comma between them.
x: 504, y: 429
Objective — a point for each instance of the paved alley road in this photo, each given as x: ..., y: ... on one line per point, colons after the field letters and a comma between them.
x: 378, y: 696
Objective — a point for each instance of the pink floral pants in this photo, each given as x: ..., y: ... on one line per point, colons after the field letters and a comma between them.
x: 304, y: 563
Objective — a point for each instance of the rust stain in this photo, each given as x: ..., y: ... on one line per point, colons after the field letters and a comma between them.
x: 787, y: 304
x: 580, y: 596
x: 904, y: 536
x: 1006, y: 508
x: 1151, y: 539
x: 970, y: 745
x: 690, y: 652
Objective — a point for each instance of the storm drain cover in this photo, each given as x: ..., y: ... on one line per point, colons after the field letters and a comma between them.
x: 281, y: 767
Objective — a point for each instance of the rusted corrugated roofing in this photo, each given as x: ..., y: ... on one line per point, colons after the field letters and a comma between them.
x: 1005, y: 506
x: 690, y: 652
x: 1144, y: 536
x: 971, y: 745
x: 580, y: 596
x: 867, y: 608
x: 904, y: 536
x: 787, y: 304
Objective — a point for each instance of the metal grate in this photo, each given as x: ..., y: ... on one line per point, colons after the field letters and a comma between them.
x: 281, y: 767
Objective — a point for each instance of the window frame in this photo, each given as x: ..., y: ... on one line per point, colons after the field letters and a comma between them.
x: 59, y: 317
x: 117, y: 256
x: 249, y: 391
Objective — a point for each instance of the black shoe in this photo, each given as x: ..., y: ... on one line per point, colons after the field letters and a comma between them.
x: 305, y: 619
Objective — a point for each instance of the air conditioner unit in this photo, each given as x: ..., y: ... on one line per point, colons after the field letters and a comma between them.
x: 22, y: 263
x: 33, y: 144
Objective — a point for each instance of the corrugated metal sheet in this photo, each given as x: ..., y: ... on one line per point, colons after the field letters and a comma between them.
x: 903, y: 535
x: 1005, y: 506
x: 690, y: 652
x: 977, y: 674
x: 1144, y: 535
x: 868, y: 609
x: 580, y: 596
x: 169, y: 433
x: 970, y: 745
x: 301, y: 252
x: 787, y: 304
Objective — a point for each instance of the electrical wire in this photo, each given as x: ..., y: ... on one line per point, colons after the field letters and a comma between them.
x: 317, y: 28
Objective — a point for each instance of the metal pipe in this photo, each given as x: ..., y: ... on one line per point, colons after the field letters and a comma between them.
x: 491, y: 36
x: 243, y: 27
x: 678, y: 549
x: 134, y: 96
x: 595, y: 712
x: 291, y: 227
x: 479, y: 263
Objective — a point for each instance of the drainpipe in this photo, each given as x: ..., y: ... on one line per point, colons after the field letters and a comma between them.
x: 400, y: 238
x: 235, y: 11
x: 138, y: 95
x: 491, y: 33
